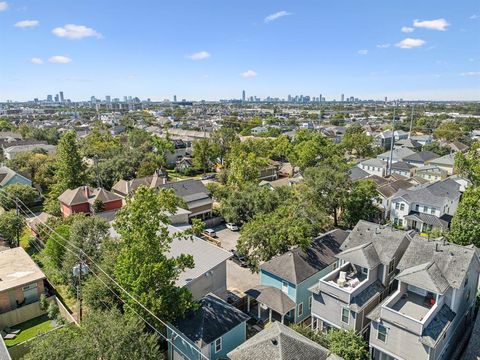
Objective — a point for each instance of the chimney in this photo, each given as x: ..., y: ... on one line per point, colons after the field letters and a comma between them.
x: 86, y: 191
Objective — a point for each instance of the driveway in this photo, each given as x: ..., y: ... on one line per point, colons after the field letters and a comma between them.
x: 227, y: 238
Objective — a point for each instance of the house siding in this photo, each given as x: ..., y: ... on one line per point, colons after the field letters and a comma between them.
x: 215, y: 282
x: 269, y: 279
x: 18, y: 179
x: 230, y: 341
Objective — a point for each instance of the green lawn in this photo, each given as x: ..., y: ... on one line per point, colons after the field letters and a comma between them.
x: 30, y: 329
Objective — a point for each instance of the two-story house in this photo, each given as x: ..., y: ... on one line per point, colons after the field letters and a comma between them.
x: 386, y: 193
x: 283, y: 293
x: 426, y: 207
x: 431, y: 173
x: 432, y: 306
x: 374, y: 166
x: 446, y: 163
x: 420, y: 158
x: 87, y: 200
x: 343, y: 297
x: 213, y: 329
x: 398, y: 154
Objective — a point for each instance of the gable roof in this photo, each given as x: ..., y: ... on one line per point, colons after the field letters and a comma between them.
x: 273, y: 297
x: 426, y: 276
x: 298, y: 265
x: 6, y: 174
x: 186, y: 188
x: 279, y: 342
x: 390, y: 189
x: 213, y: 318
x: 402, y: 166
x: 421, y: 156
x: 452, y: 261
x: 432, y: 193
x: 363, y: 255
x: 398, y: 154
x: 385, y: 239
x: 85, y: 194
x: 446, y: 160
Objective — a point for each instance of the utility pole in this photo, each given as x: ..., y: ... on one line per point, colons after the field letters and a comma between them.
x: 97, y: 171
x: 393, y: 140
x: 18, y: 214
x: 411, y: 121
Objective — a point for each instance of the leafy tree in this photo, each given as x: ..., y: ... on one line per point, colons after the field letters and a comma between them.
x: 436, y: 148
x: 203, y: 154
x: 11, y: 226
x: 347, y: 344
x: 54, y: 247
x: 357, y: 142
x: 468, y: 164
x: 39, y: 167
x: 160, y: 148
x: 309, y: 333
x: 359, y: 203
x: 465, y: 227
x: 142, y: 266
x: 310, y: 148
x: 327, y: 187
x: 244, y: 168
x: 448, y: 131
x: 223, y: 140
x: 103, y: 335
x: 100, y: 144
x: 25, y: 193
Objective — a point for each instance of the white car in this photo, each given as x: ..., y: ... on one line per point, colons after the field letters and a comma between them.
x: 210, y: 232
x: 232, y: 226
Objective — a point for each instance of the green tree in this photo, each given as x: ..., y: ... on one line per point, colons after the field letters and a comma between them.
x: 468, y: 164
x: 11, y: 226
x: 223, y: 139
x: 25, y: 193
x: 143, y: 267
x: 347, y: 344
x: 203, y: 154
x: 359, y: 203
x: 316, y: 336
x: 244, y: 168
x: 448, y: 131
x: 436, y: 148
x: 357, y: 142
x: 55, y: 245
x: 100, y: 144
x: 465, y: 227
x: 103, y: 335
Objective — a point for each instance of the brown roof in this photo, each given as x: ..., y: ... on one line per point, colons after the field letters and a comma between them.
x: 79, y: 196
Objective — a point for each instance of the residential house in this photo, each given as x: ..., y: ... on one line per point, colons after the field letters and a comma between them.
x: 355, y: 173
x: 400, y: 135
x: 34, y: 222
x: 22, y: 283
x: 374, y: 166
x: 87, y: 200
x: 268, y: 173
x: 11, y: 152
x: 408, y: 143
x: 10, y: 177
x: 259, y: 130
x: 279, y: 342
x: 284, y: 181
x: 386, y: 193
x: 402, y: 168
x: 383, y: 139
x: 420, y: 158
x: 343, y: 297
x: 398, y: 154
x: 179, y: 151
x: 213, y: 329
x: 433, y: 305
x: 184, y: 164
x: 446, y: 162
x: 430, y: 173
x: 284, y: 281
x: 422, y: 139
x: 124, y: 188
x: 426, y: 207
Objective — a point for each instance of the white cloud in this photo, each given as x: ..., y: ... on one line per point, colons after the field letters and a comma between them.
x: 410, y: 43
x: 471, y: 73
x: 3, y: 5
x: 75, y: 32
x: 249, y: 74
x: 407, y: 29
x: 383, y: 46
x: 60, y: 59
x: 36, y: 61
x: 362, y: 52
x: 474, y: 17
x: 201, y: 55
x: 275, y: 16
x: 438, y: 24
x: 27, y: 24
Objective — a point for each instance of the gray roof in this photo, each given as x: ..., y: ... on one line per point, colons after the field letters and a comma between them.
x: 428, y: 219
x: 408, y: 143
x: 398, y: 154
x: 426, y: 276
x: 446, y: 160
x: 390, y: 189
x: 434, y: 194
x: 421, y: 156
x: 402, y: 166
x: 279, y: 342
x: 362, y: 299
x: 6, y: 174
x: 356, y: 173
x: 452, y: 261
x: 363, y: 255
x: 298, y: 265
x: 385, y: 239
x: 213, y: 318
x: 432, y: 333
x: 374, y: 162
x: 274, y: 298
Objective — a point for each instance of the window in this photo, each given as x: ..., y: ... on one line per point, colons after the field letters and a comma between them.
x: 310, y: 299
x: 417, y: 208
x: 391, y: 266
x: 425, y: 209
x: 285, y: 286
x: 382, y: 333
x: 402, y: 206
x: 300, y: 309
x: 314, y: 323
x: 218, y: 345
x: 364, y: 271
x: 345, y: 315
x: 432, y: 211
x: 397, y: 206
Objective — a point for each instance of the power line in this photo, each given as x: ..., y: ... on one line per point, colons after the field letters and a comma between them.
x: 99, y: 268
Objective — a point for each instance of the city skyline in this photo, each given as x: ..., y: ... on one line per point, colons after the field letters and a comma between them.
x: 422, y: 51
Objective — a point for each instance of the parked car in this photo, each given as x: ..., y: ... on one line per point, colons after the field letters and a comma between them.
x: 209, y: 177
x: 210, y: 232
x: 239, y: 258
x: 231, y: 226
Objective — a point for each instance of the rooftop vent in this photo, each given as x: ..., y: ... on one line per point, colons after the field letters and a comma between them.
x: 275, y: 342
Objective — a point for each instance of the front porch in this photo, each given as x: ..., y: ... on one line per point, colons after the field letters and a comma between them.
x: 267, y: 304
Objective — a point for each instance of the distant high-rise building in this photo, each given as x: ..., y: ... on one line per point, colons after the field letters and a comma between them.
x: 57, y: 98
x: 108, y: 99
x: 93, y: 99
x: 125, y: 98
x: 174, y: 98
x: 342, y: 98
x: 386, y: 99
x: 49, y: 98
x: 61, y: 97
x: 320, y: 98
x: 243, y: 95
x: 129, y: 99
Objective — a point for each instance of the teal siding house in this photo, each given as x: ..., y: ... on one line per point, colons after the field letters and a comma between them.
x: 214, y: 329
x: 283, y: 293
x: 10, y: 177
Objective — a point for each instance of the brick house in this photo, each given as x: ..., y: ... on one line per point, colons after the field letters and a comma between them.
x: 84, y: 198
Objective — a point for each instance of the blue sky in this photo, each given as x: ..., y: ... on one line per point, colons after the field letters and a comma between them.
x: 211, y: 49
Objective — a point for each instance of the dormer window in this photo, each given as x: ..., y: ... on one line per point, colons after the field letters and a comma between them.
x: 391, y: 266
x: 364, y: 271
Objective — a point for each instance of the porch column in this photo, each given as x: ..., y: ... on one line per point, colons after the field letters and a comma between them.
x: 258, y: 310
x: 283, y: 316
x: 248, y: 304
x: 270, y: 315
